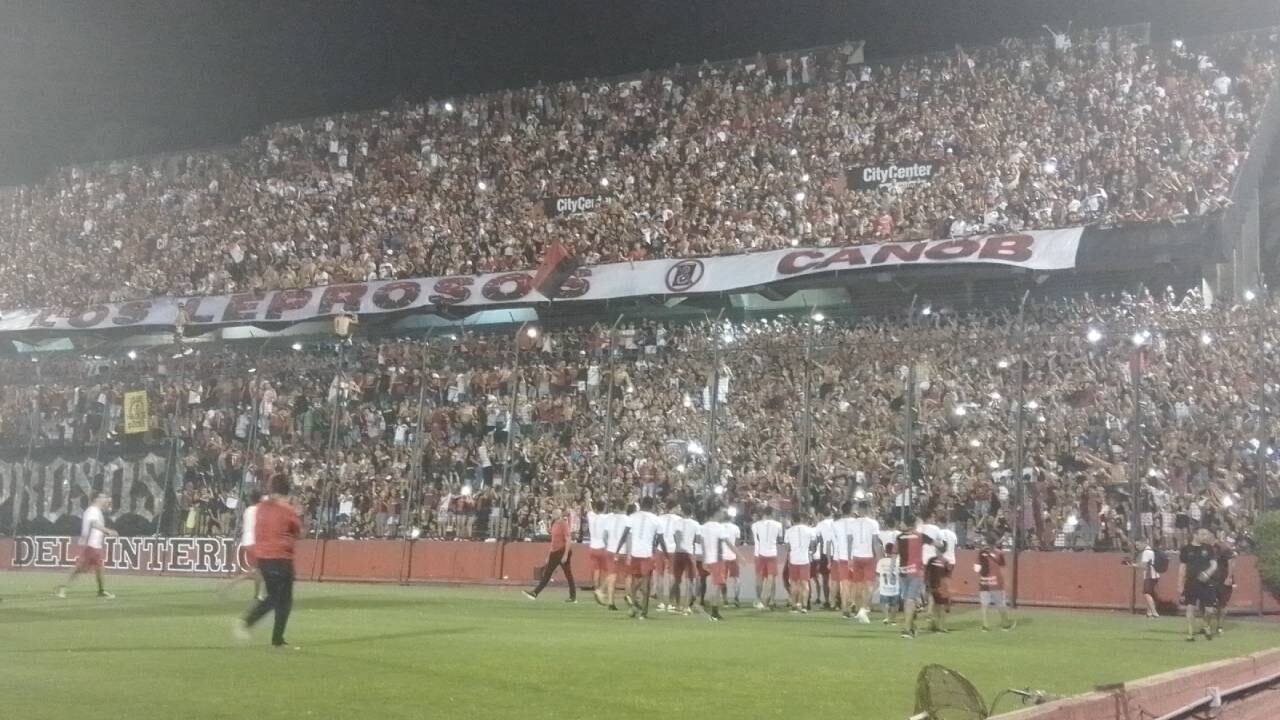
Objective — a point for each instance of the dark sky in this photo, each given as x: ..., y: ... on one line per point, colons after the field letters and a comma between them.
x: 94, y: 79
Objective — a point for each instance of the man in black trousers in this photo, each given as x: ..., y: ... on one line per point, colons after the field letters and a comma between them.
x: 277, y: 529
x: 559, y: 557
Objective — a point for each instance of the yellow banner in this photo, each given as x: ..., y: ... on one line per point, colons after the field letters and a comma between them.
x: 136, y: 413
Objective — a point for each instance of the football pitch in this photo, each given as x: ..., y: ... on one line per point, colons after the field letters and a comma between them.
x: 163, y: 649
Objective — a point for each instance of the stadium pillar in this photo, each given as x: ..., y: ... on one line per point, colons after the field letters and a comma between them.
x: 1264, y: 430
x: 806, y: 441
x: 1135, y: 482
x: 254, y: 398
x: 713, y: 416
x: 608, y: 402
x: 1020, y: 444
x: 407, y: 515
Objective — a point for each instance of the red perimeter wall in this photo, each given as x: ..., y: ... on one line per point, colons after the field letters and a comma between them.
x: 1083, y: 580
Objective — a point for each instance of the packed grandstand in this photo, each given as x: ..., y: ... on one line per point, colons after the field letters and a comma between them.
x: 1152, y: 405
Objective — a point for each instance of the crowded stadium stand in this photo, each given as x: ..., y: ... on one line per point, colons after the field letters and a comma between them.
x: 1127, y: 390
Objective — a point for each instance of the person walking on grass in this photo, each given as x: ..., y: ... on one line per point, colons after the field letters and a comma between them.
x: 93, y: 535
x: 1199, y: 562
x: 559, y: 557
x: 642, y: 532
x: 276, y: 531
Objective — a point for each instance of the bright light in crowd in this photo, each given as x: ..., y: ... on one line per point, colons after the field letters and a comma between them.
x: 819, y: 317
x: 1002, y: 364
x: 1033, y: 405
x: 133, y: 355
x: 719, y: 490
x: 995, y: 396
x: 604, y: 182
x: 975, y: 443
x: 482, y: 186
x: 1206, y: 338
x: 1039, y: 418
x: 448, y: 107
x: 688, y: 401
x: 1050, y: 167
x: 466, y: 490
x: 415, y: 533
x: 531, y: 332
x: 793, y: 152
x: 795, y: 242
x: 1177, y: 43
x: 1139, y: 339
x: 732, y: 511
x: 994, y: 465
x: 680, y: 468
x: 927, y: 311
x: 800, y: 197
x: 296, y: 346
x: 804, y: 177
x: 1228, y: 501
x: 960, y: 411
x: 1250, y: 295
x: 695, y: 447
x: 1094, y: 335
x: 859, y: 494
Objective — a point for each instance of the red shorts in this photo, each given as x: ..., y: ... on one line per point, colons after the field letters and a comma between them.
x: 715, y: 573
x: 800, y: 573
x: 89, y: 558
x: 862, y: 570
x: 661, y: 561
x: 618, y: 564
x: 599, y: 560
x: 766, y: 566
x: 250, y: 558
x: 839, y: 571
x: 682, y: 566
x: 641, y: 567
x: 731, y: 567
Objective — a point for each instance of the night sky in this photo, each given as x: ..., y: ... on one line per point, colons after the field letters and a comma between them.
x: 96, y: 79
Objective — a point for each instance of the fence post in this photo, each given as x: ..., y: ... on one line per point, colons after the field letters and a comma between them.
x: 1020, y: 446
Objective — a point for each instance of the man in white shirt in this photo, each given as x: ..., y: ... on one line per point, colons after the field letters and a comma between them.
x: 1150, y: 578
x: 864, y: 542
x: 825, y: 530
x: 765, y: 533
x: 840, y: 572
x: 615, y: 526
x: 800, y: 539
x: 716, y: 544
x: 731, y: 534
x: 643, y: 532
x: 93, y: 535
x: 670, y: 523
x: 248, y: 558
x: 599, y: 559
x: 685, y: 532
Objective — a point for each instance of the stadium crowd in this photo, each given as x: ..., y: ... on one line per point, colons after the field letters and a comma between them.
x: 344, y: 418
x: 689, y: 161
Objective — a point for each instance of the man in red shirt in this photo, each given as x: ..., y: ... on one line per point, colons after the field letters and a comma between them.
x: 990, y: 569
x: 276, y: 529
x: 561, y: 552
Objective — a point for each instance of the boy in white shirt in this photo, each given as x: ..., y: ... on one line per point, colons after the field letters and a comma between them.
x: 887, y: 573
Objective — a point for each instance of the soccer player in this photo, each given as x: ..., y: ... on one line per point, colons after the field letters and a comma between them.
x: 765, y: 533
x: 1223, y: 581
x: 1195, y: 577
x: 643, y: 533
x: 934, y: 533
x: 1150, y: 578
x: 668, y: 523
x: 911, y: 564
x: 799, y: 540
x: 864, y: 542
x: 990, y: 569
x: 887, y: 572
x: 825, y: 530
x: 615, y: 524
x: 715, y: 543
x: 559, y: 557
x: 685, y: 532
x: 840, y: 545
x: 277, y: 529
x: 731, y: 534
x: 596, y: 552
x: 93, y: 535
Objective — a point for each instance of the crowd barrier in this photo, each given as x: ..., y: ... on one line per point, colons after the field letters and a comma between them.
x: 1048, y: 579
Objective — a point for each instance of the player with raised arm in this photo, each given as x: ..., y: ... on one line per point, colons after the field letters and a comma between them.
x: 800, y: 539
x: 765, y: 534
x: 93, y: 535
x: 642, y: 531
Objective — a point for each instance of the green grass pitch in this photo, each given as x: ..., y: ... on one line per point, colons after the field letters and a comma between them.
x: 163, y: 649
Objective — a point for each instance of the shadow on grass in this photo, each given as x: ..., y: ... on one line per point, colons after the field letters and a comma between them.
x: 384, y: 637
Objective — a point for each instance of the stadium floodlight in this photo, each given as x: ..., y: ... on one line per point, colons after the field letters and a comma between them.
x: 482, y: 186
x: 466, y: 490
x: 448, y: 107
x: 1250, y: 296
x: 1139, y: 339
x: 531, y: 332
x: 1093, y: 336
x: 695, y: 447
x: 818, y: 317
x: 960, y: 411
x: 1178, y: 43
x: 718, y: 489
x: 253, y: 370
x: 1206, y: 338
x: 604, y: 182
x: 927, y: 310
x: 732, y: 511
x: 1002, y: 364
x: 800, y: 196
x: 296, y: 346
x: 975, y: 442
x: 132, y: 354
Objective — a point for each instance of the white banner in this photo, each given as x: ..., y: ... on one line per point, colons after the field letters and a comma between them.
x: 195, y: 555
x: 1036, y: 250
